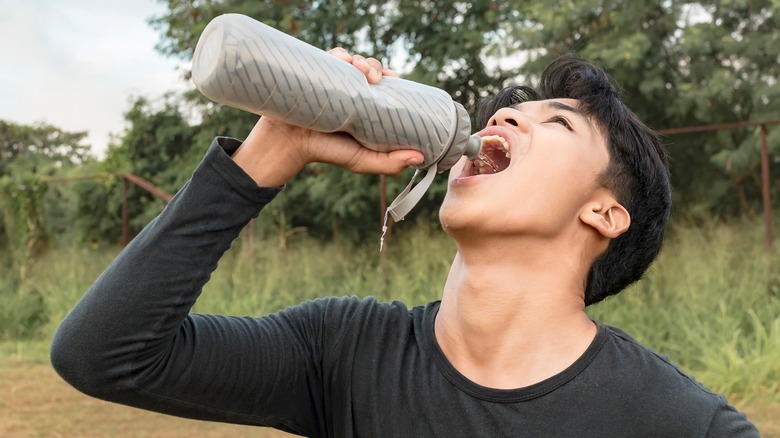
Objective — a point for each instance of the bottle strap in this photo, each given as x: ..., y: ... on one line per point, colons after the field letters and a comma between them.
x: 407, y: 199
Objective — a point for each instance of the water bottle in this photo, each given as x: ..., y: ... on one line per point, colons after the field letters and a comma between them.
x: 245, y: 64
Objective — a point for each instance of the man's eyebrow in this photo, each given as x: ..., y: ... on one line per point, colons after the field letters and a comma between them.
x: 554, y: 104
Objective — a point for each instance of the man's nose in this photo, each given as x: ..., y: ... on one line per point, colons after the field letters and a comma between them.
x: 510, y: 117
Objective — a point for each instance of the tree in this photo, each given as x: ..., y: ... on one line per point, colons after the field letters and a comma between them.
x: 29, y: 154
x: 158, y: 146
x: 439, y: 43
x: 680, y: 63
x: 39, y: 148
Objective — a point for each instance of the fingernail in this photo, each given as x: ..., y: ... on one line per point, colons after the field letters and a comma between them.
x: 413, y: 162
x: 374, y: 73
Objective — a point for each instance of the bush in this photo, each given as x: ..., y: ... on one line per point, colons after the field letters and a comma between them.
x: 22, y: 314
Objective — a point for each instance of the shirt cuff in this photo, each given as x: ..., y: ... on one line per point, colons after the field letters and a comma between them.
x: 219, y: 159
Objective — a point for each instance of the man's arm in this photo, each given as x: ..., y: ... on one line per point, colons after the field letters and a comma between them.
x: 131, y: 338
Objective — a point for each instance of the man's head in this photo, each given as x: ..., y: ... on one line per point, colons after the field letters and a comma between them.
x: 634, y: 170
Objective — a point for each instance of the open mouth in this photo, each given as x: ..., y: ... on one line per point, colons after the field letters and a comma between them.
x: 494, y: 156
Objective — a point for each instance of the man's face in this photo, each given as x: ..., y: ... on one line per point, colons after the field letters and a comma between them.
x: 555, y: 155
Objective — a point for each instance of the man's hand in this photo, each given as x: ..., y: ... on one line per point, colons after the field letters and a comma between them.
x: 275, y: 151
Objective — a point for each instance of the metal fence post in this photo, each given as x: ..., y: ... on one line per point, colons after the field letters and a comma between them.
x: 125, y: 225
x: 765, y: 189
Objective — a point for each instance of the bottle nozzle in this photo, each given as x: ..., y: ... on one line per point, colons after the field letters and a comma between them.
x: 473, y: 147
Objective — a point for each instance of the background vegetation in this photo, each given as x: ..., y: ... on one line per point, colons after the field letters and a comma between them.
x: 711, y: 302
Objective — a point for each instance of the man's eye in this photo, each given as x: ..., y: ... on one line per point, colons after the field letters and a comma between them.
x: 562, y: 121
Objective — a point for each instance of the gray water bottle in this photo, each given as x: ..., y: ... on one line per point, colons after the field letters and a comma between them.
x: 245, y: 64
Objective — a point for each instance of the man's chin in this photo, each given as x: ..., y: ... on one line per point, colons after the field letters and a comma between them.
x: 455, y: 220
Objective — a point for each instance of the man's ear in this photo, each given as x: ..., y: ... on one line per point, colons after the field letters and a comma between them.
x: 606, y: 215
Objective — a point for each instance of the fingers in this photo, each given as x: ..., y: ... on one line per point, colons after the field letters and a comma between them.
x: 391, y: 73
x: 370, y: 67
x: 386, y: 163
x: 341, y: 53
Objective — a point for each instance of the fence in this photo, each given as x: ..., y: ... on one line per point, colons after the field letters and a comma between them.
x: 129, y: 178
x: 765, y: 188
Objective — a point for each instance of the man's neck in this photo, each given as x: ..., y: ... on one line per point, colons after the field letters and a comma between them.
x: 511, y: 321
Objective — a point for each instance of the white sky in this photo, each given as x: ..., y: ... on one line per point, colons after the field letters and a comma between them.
x: 76, y: 64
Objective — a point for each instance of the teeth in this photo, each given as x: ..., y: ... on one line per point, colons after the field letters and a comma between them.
x: 501, y: 140
x: 483, y: 164
x: 480, y: 166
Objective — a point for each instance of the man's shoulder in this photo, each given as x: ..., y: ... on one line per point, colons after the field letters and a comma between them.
x: 358, y: 315
x: 649, y: 369
x: 651, y: 380
x: 354, y: 304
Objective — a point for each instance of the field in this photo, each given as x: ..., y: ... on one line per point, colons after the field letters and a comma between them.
x: 711, y: 302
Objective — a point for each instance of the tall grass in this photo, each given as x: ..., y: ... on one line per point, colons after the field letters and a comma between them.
x: 711, y: 302
x: 264, y: 278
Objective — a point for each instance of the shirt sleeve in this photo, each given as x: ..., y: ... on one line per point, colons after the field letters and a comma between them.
x: 728, y: 422
x: 132, y: 340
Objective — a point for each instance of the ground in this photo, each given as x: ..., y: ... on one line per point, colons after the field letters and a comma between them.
x: 35, y: 402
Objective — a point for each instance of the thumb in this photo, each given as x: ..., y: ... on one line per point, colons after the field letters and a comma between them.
x: 386, y: 163
x: 410, y: 157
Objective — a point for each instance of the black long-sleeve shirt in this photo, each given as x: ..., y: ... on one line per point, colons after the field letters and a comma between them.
x: 340, y: 366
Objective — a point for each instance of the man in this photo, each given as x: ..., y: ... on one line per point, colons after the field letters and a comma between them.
x: 574, y: 210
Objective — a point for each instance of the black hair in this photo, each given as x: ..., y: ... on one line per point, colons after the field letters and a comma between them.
x: 637, y: 173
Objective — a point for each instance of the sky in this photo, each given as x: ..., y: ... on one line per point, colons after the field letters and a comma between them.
x: 77, y: 64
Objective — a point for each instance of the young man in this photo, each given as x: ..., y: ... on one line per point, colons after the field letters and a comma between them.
x: 575, y: 213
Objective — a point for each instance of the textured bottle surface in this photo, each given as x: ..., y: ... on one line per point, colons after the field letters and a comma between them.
x: 243, y: 63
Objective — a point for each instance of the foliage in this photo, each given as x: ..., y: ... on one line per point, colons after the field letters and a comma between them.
x: 157, y: 138
x: 441, y: 43
x: 39, y: 148
x: 711, y: 302
x: 680, y: 63
x: 20, y: 200
x: 22, y: 315
x: 155, y: 146
x: 29, y: 154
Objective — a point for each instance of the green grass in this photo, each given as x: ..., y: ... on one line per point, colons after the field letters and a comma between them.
x: 711, y: 302
x: 264, y: 279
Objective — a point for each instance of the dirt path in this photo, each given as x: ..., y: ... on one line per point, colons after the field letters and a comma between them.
x: 35, y: 402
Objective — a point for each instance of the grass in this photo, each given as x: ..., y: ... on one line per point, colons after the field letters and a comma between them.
x: 711, y: 302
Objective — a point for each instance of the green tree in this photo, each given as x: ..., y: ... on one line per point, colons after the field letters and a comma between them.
x: 444, y: 44
x: 680, y: 63
x: 39, y: 148
x: 441, y: 43
x: 28, y: 155
x: 157, y: 146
